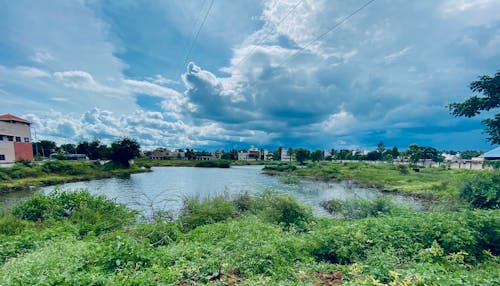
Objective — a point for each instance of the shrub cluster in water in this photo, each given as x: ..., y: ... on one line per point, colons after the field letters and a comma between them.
x: 213, y: 164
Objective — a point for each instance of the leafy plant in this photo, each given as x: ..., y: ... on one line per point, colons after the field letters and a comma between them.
x: 483, y: 190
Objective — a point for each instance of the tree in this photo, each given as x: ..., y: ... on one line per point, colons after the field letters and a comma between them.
x: 317, y: 155
x: 90, y: 149
x: 490, y: 88
x: 414, y: 153
x: 44, y: 148
x: 380, y: 148
x: 302, y: 155
x: 123, y: 150
x: 68, y: 148
x: 277, y: 154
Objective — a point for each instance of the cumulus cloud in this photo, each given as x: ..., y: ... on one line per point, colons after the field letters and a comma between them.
x: 370, y: 74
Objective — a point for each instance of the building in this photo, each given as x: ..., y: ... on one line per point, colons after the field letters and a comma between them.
x: 285, y: 156
x: 492, y: 155
x: 15, y: 139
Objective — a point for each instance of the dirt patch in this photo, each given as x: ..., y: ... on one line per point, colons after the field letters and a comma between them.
x: 334, y: 278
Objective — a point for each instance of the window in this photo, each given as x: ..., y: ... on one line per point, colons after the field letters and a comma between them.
x: 26, y: 139
x: 10, y: 138
x: 2, y: 157
x: 1, y: 137
x: 18, y: 139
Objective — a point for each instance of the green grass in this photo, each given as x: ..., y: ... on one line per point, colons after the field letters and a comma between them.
x: 246, y: 242
x: 428, y: 183
x: 22, y: 176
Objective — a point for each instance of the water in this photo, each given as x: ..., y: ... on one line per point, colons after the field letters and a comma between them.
x: 165, y: 188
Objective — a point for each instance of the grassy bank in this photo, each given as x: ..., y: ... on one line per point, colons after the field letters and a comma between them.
x: 427, y: 183
x: 26, y: 175
x: 267, y: 239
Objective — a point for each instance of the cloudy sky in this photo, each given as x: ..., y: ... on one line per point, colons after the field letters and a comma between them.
x: 264, y: 73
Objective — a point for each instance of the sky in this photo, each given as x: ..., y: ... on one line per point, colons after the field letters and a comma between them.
x: 211, y: 74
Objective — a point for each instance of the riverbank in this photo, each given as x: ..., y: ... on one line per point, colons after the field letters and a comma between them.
x: 27, y: 175
x: 428, y: 184
x: 79, y: 239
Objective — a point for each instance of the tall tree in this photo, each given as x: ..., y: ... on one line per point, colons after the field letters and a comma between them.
x: 490, y: 88
x: 123, y: 150
x: 302, y: 154
x: 317, y: 155
x: 44, y: 148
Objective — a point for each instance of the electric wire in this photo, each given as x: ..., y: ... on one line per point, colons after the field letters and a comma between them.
x: 198, y: 33
x: 338, y: 24
x: 268, y: 35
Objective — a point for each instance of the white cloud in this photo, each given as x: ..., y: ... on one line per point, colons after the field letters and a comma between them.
x: 31, y: 72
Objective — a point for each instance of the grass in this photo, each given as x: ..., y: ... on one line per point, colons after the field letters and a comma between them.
x: 24, y: 175
x: 264, y: 239
x: 428, y: 183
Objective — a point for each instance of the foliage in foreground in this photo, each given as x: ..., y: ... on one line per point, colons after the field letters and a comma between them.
x: 251, y: 246
x: 483, y: 191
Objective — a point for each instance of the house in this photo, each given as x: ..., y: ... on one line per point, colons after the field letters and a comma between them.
x: 492, y: 155
x: 159, y: 154
x: 243, y: 156
x: 15, y: 139
x: 285, y: 156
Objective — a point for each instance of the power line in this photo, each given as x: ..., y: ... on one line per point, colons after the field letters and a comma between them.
x: 268, y: 35
x: 198, y: 33
x: 328, y: 31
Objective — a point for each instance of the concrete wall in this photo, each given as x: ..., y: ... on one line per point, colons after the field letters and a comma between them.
x: 7, y: 149
x: 15, y: 129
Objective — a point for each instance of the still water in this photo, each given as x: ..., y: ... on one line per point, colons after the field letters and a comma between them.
x: 165, y: 188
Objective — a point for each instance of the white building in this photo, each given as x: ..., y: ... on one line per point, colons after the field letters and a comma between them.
x: 15, y: 139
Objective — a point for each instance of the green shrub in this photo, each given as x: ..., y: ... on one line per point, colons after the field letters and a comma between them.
x: 90, y: 213
x: 403, y: 169
x: 361, y: 208
x: 213, y: 164
x: 483, y: 190
x: 283, y: 210
x: 196, y: 212
x: 11, y: 225
x: 159, y: 232
x: 118, y: 251
x: 35, y: 209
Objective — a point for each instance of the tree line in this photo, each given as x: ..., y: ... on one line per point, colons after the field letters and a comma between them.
x: 120, y: 151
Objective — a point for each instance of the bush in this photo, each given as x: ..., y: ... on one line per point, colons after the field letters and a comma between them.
x: 196, y: 212
x: 283, y: 210
x: 483, y: 191
x: 360, y: 208
x: 88, y: 212
x: 159, y: 232
x: 11, y: 225
x: 213, y: 164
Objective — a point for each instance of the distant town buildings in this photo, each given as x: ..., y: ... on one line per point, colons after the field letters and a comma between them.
x: 15, y: 139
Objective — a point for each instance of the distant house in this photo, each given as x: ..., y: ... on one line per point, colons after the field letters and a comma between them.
x: 159, y: 154
x: 285, y: 156
x: 243, y: 156
x: 492, y: 155
x: 15, y: 139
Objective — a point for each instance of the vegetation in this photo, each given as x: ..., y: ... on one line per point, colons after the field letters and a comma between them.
x: 266, y: 239
x: 26, y: 174
x: 213, y: 164
x: 490, y: 88
x: 427, y: 183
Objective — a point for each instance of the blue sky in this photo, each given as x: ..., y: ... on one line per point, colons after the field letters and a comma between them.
x: 256, y: 76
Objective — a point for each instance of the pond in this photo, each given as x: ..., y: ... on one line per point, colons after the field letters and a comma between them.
x: 166, y: 187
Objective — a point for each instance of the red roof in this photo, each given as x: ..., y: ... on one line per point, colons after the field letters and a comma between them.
x: 10, y: 117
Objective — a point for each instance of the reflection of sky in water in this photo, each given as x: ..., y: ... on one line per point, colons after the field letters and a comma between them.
x: 165, y: 187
